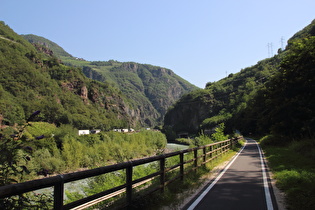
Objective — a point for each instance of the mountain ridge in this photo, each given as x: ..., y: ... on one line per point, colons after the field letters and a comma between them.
x: 151, y: 89
x: 31, y: 80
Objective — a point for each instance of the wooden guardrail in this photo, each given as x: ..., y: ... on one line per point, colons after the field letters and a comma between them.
x: 208, y: 153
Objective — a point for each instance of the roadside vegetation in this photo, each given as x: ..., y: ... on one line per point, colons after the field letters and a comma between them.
x: 172, y: 195
x: 38, y: 149
x: 54, y: 150
x: 292, y: 165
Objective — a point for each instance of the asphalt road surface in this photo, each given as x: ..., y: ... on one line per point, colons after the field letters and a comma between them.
x: 243, y: 184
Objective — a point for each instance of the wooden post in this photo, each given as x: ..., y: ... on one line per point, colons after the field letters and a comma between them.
x: 129, y: 184
x: 204, y: 154
x: 229, y: 146
x: 224, y: 149
x: 181, y: 167
x: 233, y: 142
x: 58, y: 194
x: 195, y: 156
x: 211, y: 148
x: 162, y: 176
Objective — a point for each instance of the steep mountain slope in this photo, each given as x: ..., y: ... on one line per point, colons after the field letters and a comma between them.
x: 253, y: 99
x: 285, y: 107
x: 31, y: 80
x: 151, y: 89
x: 219, y: 101
x: 40, y: 41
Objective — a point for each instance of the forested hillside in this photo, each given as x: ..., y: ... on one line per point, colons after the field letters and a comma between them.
x: 31, y: 80
x: 274, y: 96
x: 219, y: 101
x: 151, y: 89
x: 43, y: 103
x: 285, y: 106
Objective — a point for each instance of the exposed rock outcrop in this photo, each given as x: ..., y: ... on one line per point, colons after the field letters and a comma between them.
x: 151, y: 89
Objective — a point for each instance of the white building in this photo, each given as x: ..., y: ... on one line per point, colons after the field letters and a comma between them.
x: 84, y: 132
x: 95, y: 131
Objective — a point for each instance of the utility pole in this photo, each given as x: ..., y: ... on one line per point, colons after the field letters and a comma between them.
x: 282, y: 43
x: 270, y: 50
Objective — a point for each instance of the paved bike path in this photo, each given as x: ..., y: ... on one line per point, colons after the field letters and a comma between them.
x: 242, y: 185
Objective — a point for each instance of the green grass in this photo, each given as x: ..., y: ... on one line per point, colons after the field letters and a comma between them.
x: 294, y: 171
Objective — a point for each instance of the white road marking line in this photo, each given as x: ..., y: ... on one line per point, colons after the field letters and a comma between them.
x: 266, y: 187
x: 204, y: 193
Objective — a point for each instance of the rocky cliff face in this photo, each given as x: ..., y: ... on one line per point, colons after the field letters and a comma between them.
x: 93, y: 94
x: 189, y: 112
x: 151, y: 90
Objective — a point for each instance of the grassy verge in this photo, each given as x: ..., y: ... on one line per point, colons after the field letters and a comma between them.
x: 294, y: 171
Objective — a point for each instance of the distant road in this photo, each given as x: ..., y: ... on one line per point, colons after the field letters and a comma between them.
x: 243, y: 185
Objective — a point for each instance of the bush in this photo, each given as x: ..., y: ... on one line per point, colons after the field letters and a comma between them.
x: 44, y: 161
x: 187, y: 141
x: 274, y: 140
x: 304, y: 147
x: 218, y: 135
x: 299, y: 187
x: 202, y: 140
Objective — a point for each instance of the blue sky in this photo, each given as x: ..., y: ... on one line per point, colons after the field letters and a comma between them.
x: 201, y: 41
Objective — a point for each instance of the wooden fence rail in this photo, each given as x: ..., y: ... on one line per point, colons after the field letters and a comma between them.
x: 209, y: 152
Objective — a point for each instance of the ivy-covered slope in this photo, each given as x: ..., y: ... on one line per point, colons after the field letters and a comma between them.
x: 31, y: 80
x: 275, y: 95
x: 151, y: 89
